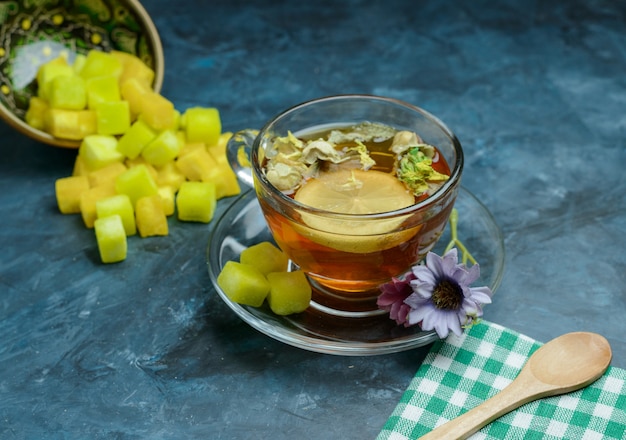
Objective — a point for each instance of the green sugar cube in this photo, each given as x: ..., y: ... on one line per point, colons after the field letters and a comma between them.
x: 243, y: 284
x: 290, y: 292
x: 196, y: 201
x: 135, y: 139
x: 112, y: 117
x: 202, y: 125
x: 163, y: 149
x: 121, y: 205
x: 136, y: 182
x: 67, y: 92
x: 98, y: 63
x: 102, y: 89
x: 266, y: 257
x: 111, y: 239
x: 99, y: 151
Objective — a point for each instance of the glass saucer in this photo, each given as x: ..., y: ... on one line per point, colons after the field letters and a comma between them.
x: 243, y: 225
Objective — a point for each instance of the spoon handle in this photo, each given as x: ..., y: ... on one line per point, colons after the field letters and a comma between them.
x: 519, y: 392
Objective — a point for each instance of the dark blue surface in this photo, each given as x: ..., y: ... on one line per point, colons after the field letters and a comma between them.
x: 536, y: 92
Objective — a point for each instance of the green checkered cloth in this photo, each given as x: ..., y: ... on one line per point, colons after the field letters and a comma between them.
x: 459, y: 373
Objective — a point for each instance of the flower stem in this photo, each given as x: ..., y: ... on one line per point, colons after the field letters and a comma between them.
x: 454, y: 240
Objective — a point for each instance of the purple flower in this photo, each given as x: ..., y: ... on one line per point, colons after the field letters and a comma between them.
x: 442, y: 299
x: 436, y: 295
x: 394, y: 293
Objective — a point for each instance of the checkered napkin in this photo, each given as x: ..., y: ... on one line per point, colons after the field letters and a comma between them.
x: 461, y: 372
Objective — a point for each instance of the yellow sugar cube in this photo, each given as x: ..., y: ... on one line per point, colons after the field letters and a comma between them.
x: 157, y: 111
x: 67, y: 92
x: 50, y: 70
x: 196, y: 201
x: 225, y: 181
x: 151, y: 218
x: 182, y: 139
x: 80, y: 167
x: 163, y: 149
x: 36, y: 114
x: 132, y: 90
x: 110, y: 187
x: 70, y: 124
x: 112, y: 117
x: 111, y: 239
x: 79, y: 63
x: 106, y: 174
x: 176, y: 122
x: 135, y: 139
x: 99, y: 151
x: 136, y: 182
x: 218, y: 150
x: 223, y: 176
x: 170, y: 175
x: 168, y: 196
x: 98, y: 63
x: 130, y: 163
x: 68, y: 191
x: 88, y: 202
x: 133, y: 67
x: 102, y: 89
x: 243, y: 284
x: 188, y: 147
x: 121, y: 205
x: 202, y: 125
x: 266, y: 257
x: 196, y: 165
x: 290, y: 292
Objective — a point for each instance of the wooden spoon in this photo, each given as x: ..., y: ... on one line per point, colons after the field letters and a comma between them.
x: 565, y: 364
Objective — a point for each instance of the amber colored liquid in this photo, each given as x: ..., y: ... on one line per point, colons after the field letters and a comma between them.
x: 355, y: 277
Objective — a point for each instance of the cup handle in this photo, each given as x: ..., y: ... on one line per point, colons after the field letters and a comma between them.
x: 238, y: 151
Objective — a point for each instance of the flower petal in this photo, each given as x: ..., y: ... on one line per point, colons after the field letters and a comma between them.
x: 423, y: 274
x: 429, y: 319
x: 416, y: 301
x: 481, y: 294
x: 403, y: 315
x: 468, y: 308
x: 436, y: 264
x: 454, y: 324
x: 424, y: 290
x: 449, y: 262
x: 468, y: 275
x: 418, y: 314
x: 399, y: 312
x: 437, y: 322
x: 459, y: 274
x: 385, y: 300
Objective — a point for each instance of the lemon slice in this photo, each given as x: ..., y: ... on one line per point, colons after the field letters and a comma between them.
x: 355, y: 192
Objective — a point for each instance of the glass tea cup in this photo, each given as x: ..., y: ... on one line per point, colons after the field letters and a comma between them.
x: 347, y: 256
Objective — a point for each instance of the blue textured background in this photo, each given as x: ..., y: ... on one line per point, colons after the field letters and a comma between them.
x: 536, y: 92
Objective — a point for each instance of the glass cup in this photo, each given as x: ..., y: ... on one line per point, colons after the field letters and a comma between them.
x: 348, y: 256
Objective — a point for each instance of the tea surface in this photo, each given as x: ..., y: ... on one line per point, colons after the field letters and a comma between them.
x: 292, y: 162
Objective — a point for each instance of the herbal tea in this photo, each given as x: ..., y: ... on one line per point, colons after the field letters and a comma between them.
x: 357, y: 176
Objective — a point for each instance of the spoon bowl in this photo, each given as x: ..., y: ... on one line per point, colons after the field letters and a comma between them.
x: 565, y: 364
x: 587, y: 356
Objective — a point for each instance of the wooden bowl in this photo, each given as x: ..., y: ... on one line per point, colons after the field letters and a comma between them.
x: 33, y: 33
